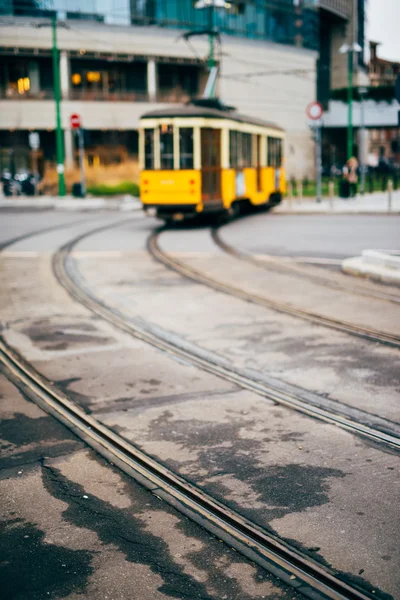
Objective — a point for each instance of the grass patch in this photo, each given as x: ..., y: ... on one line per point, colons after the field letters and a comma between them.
x: 119, y: 189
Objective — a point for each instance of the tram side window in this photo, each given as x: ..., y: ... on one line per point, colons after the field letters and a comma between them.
x: 274, y: 152
x: 240, y: 148
x: 149, y: 149
x: 166, y: 147
x: 186, y: 148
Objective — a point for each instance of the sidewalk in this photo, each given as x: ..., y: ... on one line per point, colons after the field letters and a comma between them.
x: 367, y: 204
x: 123, y: 203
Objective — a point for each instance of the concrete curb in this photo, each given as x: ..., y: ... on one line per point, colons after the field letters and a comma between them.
x: 126, y: 203
x: 369, y: 204
x: 376, y: 264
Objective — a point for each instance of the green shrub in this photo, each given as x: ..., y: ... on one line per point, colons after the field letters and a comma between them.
x: 125, y: 187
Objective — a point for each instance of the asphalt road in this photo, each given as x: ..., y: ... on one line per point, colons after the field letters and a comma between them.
x: 325, y: 236
x: 317, y: 486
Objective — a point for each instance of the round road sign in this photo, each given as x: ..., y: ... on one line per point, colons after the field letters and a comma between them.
x: 75, y: 121
x: 314, y: 111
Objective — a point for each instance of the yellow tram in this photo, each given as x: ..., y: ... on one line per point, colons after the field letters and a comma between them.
x: 205, y: 157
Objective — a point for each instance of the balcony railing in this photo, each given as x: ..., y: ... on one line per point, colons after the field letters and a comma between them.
x: 107, y: 96
x: 172, y: 95
x: 342, y: 8
x: 7, y: 93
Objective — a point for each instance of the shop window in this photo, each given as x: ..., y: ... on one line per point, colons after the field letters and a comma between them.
x: 149, y: 149
x: 166, y: 147
x: 186, y: 148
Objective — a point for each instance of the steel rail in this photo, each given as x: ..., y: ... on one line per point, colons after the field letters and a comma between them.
x: 43, y: 230
x: 226, y: 288
x: 306, y: 575
x: 275, y: 263
x: 74, y: 285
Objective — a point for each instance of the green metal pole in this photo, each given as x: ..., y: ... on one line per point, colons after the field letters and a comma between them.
x: 57, y: 98
x: 350, y: 106
x: 211, y: 56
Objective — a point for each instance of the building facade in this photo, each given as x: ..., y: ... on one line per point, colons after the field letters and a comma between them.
x: 121, y: 58
x: 376, y: 108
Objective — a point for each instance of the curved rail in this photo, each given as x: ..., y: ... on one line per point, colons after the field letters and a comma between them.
x: 354, y: 420
x: 199, y: 277
x: 295, y: 568
x: 274, y: 263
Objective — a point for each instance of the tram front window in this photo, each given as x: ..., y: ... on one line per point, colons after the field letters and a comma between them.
x: 186, y: 148
x: 166, y: 147
x: 149, y: 149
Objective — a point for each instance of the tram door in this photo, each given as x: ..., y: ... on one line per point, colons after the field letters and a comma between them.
x: 211, y: 164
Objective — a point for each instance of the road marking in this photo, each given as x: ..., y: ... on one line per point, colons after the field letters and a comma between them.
x: 111, y: 253
x: 20, y: 254
x: 299, y: 259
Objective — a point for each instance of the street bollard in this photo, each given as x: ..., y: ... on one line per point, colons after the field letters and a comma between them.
x: 390, y: 194
x: 299, y: 191
x: 331, y: 193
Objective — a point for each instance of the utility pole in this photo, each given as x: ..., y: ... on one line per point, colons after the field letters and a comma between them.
x: 57, y: 98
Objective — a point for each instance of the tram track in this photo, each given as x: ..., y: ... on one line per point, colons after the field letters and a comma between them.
x: 296, y: 569
x: 197, y: 276
x: 306, y: 575
x: 276, y: 264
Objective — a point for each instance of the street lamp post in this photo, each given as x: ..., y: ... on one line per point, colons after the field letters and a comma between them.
x: 57, y: 98
x: 211, y: 5
x: 362, y: 93
x: 349, y: 50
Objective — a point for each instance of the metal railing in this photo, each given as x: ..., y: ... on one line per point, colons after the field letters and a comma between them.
x: 7, y: 93
x: 108, y: 96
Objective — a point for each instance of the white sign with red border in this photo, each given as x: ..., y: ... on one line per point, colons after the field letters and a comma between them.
x: 75, y: 121
x: 314, y: 111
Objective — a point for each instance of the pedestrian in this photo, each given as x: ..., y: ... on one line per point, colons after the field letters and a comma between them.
x: 352, y: 175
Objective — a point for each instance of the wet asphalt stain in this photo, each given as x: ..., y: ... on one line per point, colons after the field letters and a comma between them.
x: 283, y: 489
x: 44, y: 436
x: 119, y: 528
x: 81, y: 400
x: 35, y: 569
x: 28, y: 461
x: 50, y: 336
x: 134, y: 404
x: 377, y: 367
x: 21, y: 430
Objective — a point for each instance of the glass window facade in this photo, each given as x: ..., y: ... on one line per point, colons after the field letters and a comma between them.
x: 283, y: 21
x: 101, y: 80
